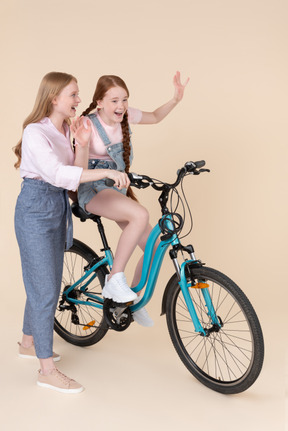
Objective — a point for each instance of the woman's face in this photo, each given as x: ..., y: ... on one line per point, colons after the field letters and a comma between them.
x: 113, y: 105
x: 66, y: 102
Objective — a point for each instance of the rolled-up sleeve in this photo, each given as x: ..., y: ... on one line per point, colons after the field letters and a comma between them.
x: 49, y: 160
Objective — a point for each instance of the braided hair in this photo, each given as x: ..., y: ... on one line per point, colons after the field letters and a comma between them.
x: 103, y: 85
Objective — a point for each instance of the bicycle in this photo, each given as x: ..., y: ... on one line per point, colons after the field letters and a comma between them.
x: 211, y: 322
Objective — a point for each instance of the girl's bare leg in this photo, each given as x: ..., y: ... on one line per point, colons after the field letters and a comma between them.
x: 142, y: 244
x: 126, y: 212
x: 141, y: 316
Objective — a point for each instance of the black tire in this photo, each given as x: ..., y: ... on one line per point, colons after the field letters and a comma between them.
x: 228, y: 361
x: 75, y: 259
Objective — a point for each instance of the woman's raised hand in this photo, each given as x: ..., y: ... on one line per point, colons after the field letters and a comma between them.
x: 81, y: 130
x: 179, y: 88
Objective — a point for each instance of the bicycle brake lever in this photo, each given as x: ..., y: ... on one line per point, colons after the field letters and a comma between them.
x: 198, y: 171
x: 138, y: 181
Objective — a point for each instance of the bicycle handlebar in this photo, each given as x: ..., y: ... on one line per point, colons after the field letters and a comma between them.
x: 143, y: 181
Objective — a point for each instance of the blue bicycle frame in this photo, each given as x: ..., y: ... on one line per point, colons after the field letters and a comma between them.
x: 150, y: 271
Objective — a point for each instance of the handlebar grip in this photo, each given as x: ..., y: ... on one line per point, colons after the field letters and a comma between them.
x: 191, y: 166
x: 109, y: 182
x: 132, y: 177
x: 200, y: 164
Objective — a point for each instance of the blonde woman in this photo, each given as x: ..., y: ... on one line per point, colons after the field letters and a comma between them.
x: 49, y: 169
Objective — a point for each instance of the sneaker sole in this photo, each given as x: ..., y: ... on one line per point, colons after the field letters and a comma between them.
x: 64, y: 391
x: 58, y: 358
x: 107, y: 295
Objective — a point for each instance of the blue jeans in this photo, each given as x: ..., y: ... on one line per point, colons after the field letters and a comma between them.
x: 40, y: 226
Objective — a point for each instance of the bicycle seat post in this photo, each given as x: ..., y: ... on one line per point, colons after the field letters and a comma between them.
x: 102, y: 233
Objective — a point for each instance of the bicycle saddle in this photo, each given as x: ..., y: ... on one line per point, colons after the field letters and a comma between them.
x: 80, y: 213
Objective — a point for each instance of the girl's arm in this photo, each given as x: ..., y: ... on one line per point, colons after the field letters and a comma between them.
x: 161, y: 112
x: 81, y: 129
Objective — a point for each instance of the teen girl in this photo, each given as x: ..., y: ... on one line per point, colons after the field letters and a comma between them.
x: 49, y: 168
x: 110, y: 148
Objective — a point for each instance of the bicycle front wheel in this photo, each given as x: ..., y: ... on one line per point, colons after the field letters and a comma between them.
x: 229, y: 359
x: 80, y: 324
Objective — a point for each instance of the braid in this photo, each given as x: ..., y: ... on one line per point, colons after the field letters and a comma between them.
x: 126, y: 142
x: 127, y: 151
x: 92, y: 105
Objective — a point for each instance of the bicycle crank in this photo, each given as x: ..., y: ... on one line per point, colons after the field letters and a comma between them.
x: 117, y: 316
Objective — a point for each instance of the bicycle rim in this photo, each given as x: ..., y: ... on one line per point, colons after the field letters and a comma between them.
x: 88, y: 327
x: 228, y: 361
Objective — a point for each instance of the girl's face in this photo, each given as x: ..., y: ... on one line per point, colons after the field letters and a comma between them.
x: 113, y: 105
x: 66, y: 102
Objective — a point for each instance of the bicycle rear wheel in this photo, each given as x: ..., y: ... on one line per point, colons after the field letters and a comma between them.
x: 82, y: 325
x: 230, y: 360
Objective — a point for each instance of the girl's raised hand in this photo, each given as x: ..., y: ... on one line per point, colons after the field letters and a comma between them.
x: 179, y: 88
x: 81, y: 130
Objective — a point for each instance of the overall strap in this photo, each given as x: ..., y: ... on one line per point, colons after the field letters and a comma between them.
x: 100, y: 129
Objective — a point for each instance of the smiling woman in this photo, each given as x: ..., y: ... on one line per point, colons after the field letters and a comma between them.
x: 49, y: 169
x: 64, y: 105
x: 51, y: 86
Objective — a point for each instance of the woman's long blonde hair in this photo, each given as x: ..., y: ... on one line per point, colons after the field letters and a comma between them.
x: 51, y: 85
x: 103, y: 85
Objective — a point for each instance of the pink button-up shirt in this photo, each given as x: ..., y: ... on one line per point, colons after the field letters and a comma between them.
x: 47, y: 155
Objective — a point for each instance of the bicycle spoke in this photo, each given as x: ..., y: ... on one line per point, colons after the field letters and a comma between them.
x: 81, y: 324
x: 226, y: 355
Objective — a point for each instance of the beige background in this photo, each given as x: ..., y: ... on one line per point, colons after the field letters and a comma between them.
x: 233, y: 115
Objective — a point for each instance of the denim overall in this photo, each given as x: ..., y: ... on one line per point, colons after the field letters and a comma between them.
x: 87, y: 191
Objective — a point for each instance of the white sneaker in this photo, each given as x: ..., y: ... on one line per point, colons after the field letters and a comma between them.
x: 117, y: 289
x: 141, y: 316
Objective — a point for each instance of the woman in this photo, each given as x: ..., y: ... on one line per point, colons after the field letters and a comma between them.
x: 43, y: 221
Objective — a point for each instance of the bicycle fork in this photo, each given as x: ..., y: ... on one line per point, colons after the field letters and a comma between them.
x: 185, y: 285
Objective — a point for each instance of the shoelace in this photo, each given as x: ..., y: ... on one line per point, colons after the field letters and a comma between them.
x: 65, y: 379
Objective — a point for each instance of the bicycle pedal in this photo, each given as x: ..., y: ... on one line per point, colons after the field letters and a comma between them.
x: 120, y: 304
x: 117, y: 315
x: 129, y: 303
